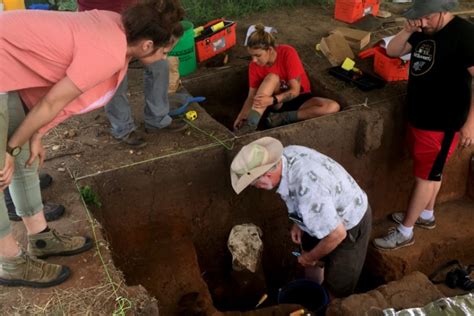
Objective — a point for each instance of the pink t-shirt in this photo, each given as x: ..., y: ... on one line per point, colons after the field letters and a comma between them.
x: 39, y: 48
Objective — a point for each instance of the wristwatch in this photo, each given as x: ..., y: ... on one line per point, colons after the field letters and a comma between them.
x: 14, y: 151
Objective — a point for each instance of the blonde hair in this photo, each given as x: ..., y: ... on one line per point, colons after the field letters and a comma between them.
x: 261, y: 39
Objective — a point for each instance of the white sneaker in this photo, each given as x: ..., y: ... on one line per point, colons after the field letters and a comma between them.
x: 394, y: 240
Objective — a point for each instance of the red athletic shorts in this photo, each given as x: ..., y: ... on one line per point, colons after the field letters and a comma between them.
x: 430, y: 151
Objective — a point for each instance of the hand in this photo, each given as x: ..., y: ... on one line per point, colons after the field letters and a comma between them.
x: 306, y: 260
x: 262, y: 101
x: 412, y: 26
x: 466, y: 136
x: 296, y: 234
x: 239, y: 121
x: 6, y: 174
x: 36, y: 150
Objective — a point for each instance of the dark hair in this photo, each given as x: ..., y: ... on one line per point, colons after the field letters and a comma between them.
x: 261, y: 39
x: 157, y: 20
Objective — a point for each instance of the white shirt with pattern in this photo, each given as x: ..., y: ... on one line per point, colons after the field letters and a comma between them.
x: 319, y: 192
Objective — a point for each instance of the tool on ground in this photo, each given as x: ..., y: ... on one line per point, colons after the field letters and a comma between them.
x: 185, y: 101
x: 298, y: 312
x: 191, y: 115
x: 261, y: 300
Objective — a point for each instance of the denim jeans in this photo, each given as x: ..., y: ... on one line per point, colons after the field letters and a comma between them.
x: 156, y: 82
x: 24, y: 189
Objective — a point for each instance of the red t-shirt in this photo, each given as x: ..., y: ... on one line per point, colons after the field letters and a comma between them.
x: 116, y: 5
x: 287, y: 66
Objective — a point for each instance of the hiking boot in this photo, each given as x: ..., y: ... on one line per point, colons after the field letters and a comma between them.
x: 45, y: 180
x: 52, y: 212
x: 134, y: 140
x: 274, y: 120
x: 26, y: 270
x: 394, y: 240
x: 246, y: 128
x: 420, y: 222
x: 51, y: 243
x: 175, y: 126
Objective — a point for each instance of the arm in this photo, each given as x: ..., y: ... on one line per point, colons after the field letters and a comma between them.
x: 245, y: 108
x: 399, y: 45
x: 263, y: 100
x: 46, y: 110
x: 324, y: 247
x: 467, y: 131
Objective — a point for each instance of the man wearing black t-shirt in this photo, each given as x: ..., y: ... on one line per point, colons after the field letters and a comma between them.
x: 440, y: 106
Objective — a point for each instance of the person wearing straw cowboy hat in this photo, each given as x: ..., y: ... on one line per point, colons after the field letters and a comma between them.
x: 440, y: 106
x: 331, y: 214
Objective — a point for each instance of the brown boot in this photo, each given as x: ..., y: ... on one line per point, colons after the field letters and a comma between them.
x: 25, y: 270
x: 44, y: 245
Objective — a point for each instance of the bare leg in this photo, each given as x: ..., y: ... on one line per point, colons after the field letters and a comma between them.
x: 423, y: 194
x: 315, y: 274
x: 432, y: 202
x: 35, y: 224
x: 8, y: 246
x: 316, y: 106
x: 268, y: 87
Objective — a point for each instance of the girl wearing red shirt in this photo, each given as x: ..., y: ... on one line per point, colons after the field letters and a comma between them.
x: 279, y: 82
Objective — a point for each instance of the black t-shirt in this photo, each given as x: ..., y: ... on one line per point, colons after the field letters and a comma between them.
x: 439, y: 85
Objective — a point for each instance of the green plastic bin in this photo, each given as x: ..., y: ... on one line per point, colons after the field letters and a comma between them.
x: 185, y: 50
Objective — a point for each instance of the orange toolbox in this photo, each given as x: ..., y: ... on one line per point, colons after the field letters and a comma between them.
x: 217, y: 36
x: 390, y: 69
x: 350, y: 11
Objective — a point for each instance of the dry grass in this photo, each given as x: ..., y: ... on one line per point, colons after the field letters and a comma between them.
x: 98, y: 300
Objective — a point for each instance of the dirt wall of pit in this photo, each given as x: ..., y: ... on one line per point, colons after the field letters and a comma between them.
x: 168, y: 220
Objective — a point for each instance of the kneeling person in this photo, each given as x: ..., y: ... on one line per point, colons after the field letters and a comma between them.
x: 331, y: 213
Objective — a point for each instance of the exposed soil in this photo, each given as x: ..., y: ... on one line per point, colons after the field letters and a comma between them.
x: 83, y: 148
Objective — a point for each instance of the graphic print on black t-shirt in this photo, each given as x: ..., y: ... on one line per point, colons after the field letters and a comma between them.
x: 423, y: 57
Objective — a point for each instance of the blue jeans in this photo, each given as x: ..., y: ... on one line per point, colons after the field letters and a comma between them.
x: 156, y: 82
x: 25, y: 188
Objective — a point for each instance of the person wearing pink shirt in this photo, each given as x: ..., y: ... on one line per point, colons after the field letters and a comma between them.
x: 57, y: 65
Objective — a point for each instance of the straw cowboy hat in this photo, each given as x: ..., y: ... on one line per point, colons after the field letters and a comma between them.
x: 253, y: 160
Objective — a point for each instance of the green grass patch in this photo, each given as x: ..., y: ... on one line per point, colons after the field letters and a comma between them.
x: 202, y: 11
x: 90, y: 197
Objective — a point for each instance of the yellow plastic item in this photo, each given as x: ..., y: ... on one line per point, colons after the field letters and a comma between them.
x: 198, y: 30
x: 13, y: 5
x: 348, y: 64
x: 262, y: 299
x: 218, y: 26
x: 191, y: 115
x: 299, y: 312
x: 318, y: 47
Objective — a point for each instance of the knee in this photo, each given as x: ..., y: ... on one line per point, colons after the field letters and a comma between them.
x: 332, y: 107
x: 274, y: 78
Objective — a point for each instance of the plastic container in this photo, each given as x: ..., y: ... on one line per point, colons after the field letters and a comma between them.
x: 304, y: 292
x: 185, y: 50
x: 210, y: 45
x: 13, y: 5
x: 350, y: 11
x: 390, y: 69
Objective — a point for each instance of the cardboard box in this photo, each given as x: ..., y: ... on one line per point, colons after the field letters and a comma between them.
x: 336, y: 48
x: 357, y: 39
